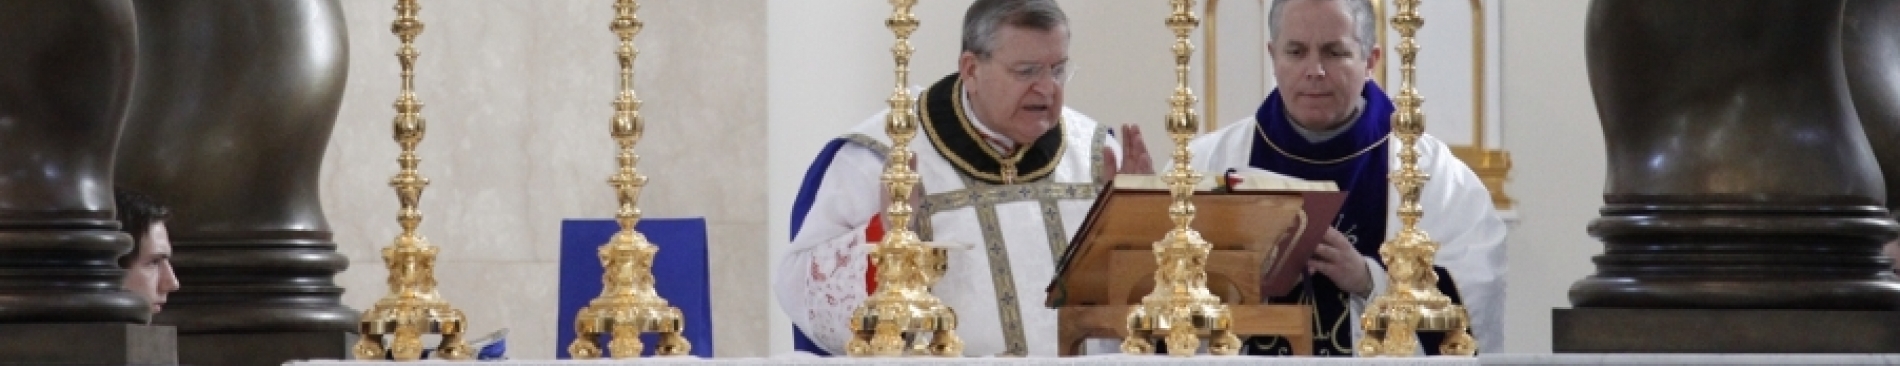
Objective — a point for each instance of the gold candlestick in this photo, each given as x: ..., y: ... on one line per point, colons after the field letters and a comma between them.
x: 903, y: 307
x: 412, y: 307
x: 1180, y: 305
x: 1412, y: 302
x: 628, y: 305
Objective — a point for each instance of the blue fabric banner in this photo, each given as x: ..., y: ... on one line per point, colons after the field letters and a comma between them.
x: 681, y: 271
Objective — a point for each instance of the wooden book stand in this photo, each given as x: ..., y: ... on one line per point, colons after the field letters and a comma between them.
x: 1262, y: 230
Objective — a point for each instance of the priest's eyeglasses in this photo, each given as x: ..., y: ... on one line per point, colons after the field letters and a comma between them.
x: 1029, y: 73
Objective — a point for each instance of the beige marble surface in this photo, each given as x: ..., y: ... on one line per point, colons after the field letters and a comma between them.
x: 517, y: 97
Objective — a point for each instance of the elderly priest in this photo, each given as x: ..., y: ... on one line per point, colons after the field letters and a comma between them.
x: 1005, y: 168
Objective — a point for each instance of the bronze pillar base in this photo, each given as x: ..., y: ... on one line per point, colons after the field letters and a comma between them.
x: 88, y: 344
x: 1724, y: 331
x: 1737, y: 256
x: 1738, y: 176
x: 262, y: 348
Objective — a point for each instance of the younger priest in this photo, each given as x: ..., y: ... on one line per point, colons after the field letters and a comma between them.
x: 1328, y: 121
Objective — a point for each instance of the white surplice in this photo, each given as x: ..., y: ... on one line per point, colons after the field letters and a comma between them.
x: 1013, y: 234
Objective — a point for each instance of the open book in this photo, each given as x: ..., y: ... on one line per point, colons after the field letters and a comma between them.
x: 1262, y: 227
x: 1250, y: 179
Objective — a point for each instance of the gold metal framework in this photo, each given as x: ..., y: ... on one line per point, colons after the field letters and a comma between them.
x: 412, y: 307
x: 1411, y: 303
x: 1181, y: 305
x: 896, y: 320
x: 628, y: 305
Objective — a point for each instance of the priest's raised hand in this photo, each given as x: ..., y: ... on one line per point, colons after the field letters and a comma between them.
x: 1134, y: 157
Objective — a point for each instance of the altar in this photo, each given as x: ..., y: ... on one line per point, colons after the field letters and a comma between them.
x: 1493, y: 359
x: 1687, y: 248
x: 807, y: 359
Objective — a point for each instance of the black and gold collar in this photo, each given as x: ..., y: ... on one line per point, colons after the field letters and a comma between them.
x: 957, y: 140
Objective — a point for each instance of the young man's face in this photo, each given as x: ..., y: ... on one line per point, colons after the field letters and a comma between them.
x: 150, y: 273
x: 1893, y: 252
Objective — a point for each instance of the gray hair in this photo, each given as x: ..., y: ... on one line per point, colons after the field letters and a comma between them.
x: 1359, y: 10
x: 986, y: 17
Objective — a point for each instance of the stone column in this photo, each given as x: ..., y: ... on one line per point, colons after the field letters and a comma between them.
x: 230, y: 130
x: 1744, y: 209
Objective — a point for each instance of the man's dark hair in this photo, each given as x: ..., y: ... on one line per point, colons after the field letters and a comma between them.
x: 136, y: 213
x: 986, y: 17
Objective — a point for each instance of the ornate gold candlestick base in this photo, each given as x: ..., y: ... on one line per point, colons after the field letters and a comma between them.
x: 1181, y: 306
x: 906, y: 310
x: 412, y: 307
x: 1412, y: 303
x: 411, y: 311
x: 895, y: 319
x: 628, y: 305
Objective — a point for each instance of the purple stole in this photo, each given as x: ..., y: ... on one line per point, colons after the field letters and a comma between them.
x: 1358, y: 161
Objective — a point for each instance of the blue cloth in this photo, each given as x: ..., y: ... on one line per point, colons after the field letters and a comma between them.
x: 808, y: 188
x: 494, y: 347
x: 493, y: 351
x: 681, y: 270
x: 808, y: 194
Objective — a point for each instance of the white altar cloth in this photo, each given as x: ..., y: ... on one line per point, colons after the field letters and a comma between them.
x: 1489, y: 359
x: 806, y: 360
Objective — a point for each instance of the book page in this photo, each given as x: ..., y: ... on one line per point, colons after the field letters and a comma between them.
x: 1251, y: 179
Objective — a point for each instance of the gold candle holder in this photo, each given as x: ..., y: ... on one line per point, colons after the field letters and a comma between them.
x: 903, y: 307
x: 628, y: 305
x: 412, y: 307
x: 1180, y: 305
x: 1412, y: 302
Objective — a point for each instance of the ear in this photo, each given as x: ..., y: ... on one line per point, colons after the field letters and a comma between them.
x: 1372, y: 61
x: 966, y: 65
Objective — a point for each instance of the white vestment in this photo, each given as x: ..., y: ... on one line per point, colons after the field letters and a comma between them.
x: 1013, y: 233
x: 1458, y: 215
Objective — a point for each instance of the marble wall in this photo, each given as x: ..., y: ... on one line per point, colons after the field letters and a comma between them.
x: 1550, y: 126
x: 517, y: 97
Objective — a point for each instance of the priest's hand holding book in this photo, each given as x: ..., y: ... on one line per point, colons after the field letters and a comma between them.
x: 1336, y: 259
